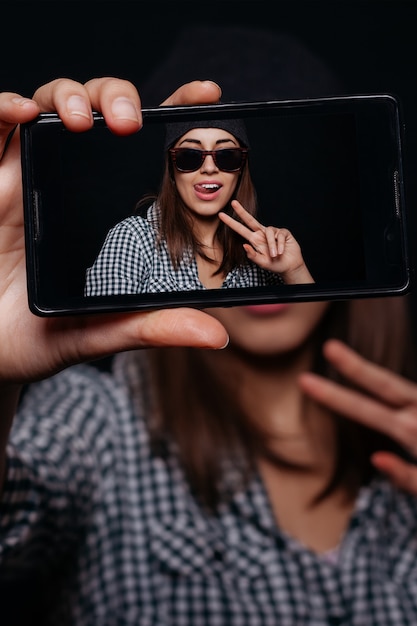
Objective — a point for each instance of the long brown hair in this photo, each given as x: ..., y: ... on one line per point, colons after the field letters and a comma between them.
x: 175, y: 221
x: 196, y: 410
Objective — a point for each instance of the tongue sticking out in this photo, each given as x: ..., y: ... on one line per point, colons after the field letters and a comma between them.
x: 207, y: 188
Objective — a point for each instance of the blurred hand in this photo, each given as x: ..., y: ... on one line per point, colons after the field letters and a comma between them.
x: 389, y: 405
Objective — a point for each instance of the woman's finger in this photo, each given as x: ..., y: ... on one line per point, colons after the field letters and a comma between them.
x: 399, y: 424
x: 281, y: 240
x: 401, y: 473
x: 14, y: 109
x: 69, y: 99
x: 195, y: 92
x: 238, y: 227
x: 118, y: 100
x: 246, y: 217
x: 271, y: 235
x: 377, y: 380
x: 165, y: 327
x: 65, y: 341
x: 348, y: 402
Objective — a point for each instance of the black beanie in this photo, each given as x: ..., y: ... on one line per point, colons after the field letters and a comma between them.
x: 236, y: 127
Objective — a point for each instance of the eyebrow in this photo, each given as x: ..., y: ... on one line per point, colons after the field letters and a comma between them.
x: 198, y: 141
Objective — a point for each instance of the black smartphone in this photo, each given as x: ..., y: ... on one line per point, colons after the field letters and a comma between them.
x: 328, y: 169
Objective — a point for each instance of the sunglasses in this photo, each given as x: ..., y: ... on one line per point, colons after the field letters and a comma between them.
x: 190, y: 160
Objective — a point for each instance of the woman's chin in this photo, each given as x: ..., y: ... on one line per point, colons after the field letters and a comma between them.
x: 268, y: 329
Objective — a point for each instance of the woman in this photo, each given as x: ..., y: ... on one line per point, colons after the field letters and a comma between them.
x: 260, y: 484
x: 200, y: 232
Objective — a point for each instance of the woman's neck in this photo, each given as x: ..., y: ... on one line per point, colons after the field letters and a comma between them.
x: 205, y: 229
x: 302, y: 434
x: 211, y: 255
x: 300, y: 430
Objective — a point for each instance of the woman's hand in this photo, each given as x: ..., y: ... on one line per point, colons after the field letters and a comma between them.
x: 272, y: 248
x: 32, y: 347
x: 389, y: 405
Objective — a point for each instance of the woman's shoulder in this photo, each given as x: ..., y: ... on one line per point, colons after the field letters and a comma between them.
x: 382, y: 507
x: 144, y: 222
x: 82, y: 403
x: 76, y: 381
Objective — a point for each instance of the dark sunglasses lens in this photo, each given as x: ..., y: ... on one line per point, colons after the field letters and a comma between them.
x: 229, y: 160
x: 188, y: 160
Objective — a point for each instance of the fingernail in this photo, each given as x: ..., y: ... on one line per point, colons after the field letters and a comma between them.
x: 207, y: 80
x: 22, y: 101
x: 213, y: 82
x: 123, y: 109
x: 226, y: 344
x: 78, y: 106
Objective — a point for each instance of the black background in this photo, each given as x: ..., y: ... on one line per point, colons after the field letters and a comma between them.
x: 370, y: 45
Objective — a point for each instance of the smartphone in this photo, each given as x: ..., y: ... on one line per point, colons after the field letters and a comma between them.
x: 329, y: 170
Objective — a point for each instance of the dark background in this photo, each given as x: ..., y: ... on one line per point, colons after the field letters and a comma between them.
x: 371, y: 46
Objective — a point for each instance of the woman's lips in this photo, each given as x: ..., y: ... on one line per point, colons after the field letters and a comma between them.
x: 207, y: 190
x: 265, y: 309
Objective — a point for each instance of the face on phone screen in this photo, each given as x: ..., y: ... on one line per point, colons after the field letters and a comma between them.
x: 125, y: 222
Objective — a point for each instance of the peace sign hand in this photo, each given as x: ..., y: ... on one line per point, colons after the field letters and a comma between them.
x: 274, y: 249
x: 383, y: 401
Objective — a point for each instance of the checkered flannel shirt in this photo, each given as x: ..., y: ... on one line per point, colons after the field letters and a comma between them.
x: 97, y: 531
x: 131, y: 262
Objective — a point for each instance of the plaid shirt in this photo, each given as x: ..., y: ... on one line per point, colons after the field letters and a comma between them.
x: 131, y: 262
x: 103, y: 533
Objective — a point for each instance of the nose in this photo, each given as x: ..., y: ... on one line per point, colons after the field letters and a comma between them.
x: 209, y: 165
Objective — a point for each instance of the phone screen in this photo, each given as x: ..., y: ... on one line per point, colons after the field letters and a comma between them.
x: 328, y: 170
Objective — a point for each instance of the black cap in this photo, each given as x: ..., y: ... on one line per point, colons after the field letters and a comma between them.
x: 236, y: 127
x: 248, y: 62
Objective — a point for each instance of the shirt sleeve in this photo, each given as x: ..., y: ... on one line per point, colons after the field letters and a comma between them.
x: 123, y: 262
